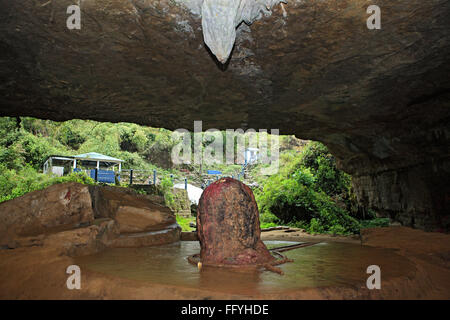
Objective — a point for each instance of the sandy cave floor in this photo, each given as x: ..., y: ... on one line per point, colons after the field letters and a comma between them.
x: 39, y: 273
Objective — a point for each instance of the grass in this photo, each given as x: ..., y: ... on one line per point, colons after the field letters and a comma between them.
x: 377, y: 222
x: 184, y: 223
x: 268, y: 220
x: 265, y: 225
x: 374, y: 223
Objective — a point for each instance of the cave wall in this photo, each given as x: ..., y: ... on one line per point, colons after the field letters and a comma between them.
x: 417, y: 197
x: 379, y: 99
x: 404, y: 171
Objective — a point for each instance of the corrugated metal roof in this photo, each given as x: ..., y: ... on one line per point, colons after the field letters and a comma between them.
x: 96, y: 156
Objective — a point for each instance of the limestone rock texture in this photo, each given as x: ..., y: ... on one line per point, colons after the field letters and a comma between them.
x: 379, y: 99
x: 167, y: 235
x: 81, y: 241
x: 133, y: 212
x: 52, y: 209
x: 220, y: 18
x: 79, y: 218
x: 228, y: 225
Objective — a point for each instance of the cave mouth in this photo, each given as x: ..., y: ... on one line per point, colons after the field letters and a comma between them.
x: 38, y: 153
x: 90, y: 93
x: 130, y: 141
x: 314, y: 70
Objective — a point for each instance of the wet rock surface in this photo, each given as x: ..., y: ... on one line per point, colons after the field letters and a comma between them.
x: 167, y: 235
x: 40, y: 273
x: 132, y: 212
x: 49, y: 210
x: 228, y: 225
x: 79, y: 218
x: 379, y: 99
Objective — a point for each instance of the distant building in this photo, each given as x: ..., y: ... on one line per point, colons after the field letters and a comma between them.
x: 251, y: 155
x: 88, y: 162
x: 98, y: 160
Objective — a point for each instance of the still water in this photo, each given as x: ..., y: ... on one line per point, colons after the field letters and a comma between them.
x: 323, y: 264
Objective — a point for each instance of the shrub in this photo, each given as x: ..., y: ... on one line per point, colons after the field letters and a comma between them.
x: 167, y: 190
x: 14, y: 183
x: 329, y: 178
x: 301, y: 194
x: 268, y: 220
x: 374, y: 223
x: 70, y: 138
x: 315, y: 226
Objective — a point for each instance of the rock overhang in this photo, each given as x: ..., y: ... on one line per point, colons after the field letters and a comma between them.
x: 379, y: 99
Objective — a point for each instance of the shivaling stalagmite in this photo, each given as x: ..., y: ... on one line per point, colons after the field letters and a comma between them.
x: 228, y: 225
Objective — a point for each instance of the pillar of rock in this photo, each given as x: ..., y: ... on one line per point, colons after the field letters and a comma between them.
x: 228, y: 225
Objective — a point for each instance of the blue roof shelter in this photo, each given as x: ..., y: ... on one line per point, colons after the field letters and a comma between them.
x: 99, y: 159
x: 98, y: 165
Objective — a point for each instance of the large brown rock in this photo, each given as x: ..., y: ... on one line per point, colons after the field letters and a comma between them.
x: 167, y: 235
x: 134, y: 219
x: 83, y: 241
x: 133, y: 212
x: 61, y: 206
x: 228, y: 225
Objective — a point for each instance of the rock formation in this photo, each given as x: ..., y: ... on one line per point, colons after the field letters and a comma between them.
x: 82, y: 219
x: 379, y: 99
x: 228, y: 225
x: 58, y: 207
x: 133, y: 213
x: 220, y: 18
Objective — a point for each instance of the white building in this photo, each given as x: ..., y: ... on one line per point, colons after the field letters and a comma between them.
x: 251, y: 155
x: 61, y: 165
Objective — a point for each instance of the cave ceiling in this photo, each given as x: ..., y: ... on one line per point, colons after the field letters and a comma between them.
x: 311, y: 68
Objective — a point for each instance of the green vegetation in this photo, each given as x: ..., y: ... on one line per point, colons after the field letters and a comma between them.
x: 306, y: 193
x: 166, y: 189
x: 32, y: 140
x: 26, y: 143
x: 14, y: 183
x: 375, y: 223
x: 268, y: 220
x: 184, y: 223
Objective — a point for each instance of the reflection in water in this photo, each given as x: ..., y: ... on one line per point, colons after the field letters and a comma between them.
x: 226, y: 280
x: 324, y: 264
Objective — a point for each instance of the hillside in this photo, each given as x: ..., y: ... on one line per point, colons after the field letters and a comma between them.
x: 308, y: 191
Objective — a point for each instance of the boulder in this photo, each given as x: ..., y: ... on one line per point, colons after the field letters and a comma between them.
x: 83, y: 241
x: 135, y: 219
x: 73, y: 242
x: 189, y: 236
x: 151, y: 238
x: 62, y: 210
x: 58, y: 207
x: 228, y: 225
x: 133, y: 212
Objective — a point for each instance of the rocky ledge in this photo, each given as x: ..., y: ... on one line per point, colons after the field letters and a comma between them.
x: 80, y: 219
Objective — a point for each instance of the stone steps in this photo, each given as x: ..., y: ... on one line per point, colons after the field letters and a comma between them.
x: 184, y: 213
